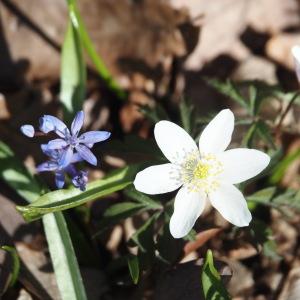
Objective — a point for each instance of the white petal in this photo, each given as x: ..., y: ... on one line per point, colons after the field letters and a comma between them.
x: 173, y: 141
x: 158, y: 179
x: 296, y: 55
x: 187, y: 208
x: 242, y: 164
x: 216, y: 136
x: 231, y: 204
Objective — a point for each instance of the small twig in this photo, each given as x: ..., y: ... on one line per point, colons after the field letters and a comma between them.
x: 31, y: 24
x: 289, y: 106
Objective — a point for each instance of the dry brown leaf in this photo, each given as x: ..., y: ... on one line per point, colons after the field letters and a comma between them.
x: 201, y: 238
x: 242, y: 252
x: 291, y: 288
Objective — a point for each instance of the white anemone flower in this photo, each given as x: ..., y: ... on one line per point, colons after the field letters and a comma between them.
x: 205, y: 173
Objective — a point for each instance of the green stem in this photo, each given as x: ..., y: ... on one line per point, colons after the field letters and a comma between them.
x: 89, y: 46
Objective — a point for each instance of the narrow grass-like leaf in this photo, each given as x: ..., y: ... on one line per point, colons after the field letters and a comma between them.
x: 264, y: 195
x: 14, y: 173
x: 133, y: 265
x: 268, y: 197
x: 73, y: 73
x: 154, y: 114
x: 67, y: 198
x: 212, y: 285
x: 15, y: 264
x: 118, y: 212
x: 61, y: 250
x: 186, y: 114
x: 91, y: 51
x: 228, y: 88
x: 283, y: 165
x: 63, y: 257
x: 265, y: 133
x: 249, y: 136
x: 144, y: 199
x: 143, y: 237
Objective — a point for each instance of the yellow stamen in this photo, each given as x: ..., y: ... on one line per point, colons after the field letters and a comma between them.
x: 201, y: 173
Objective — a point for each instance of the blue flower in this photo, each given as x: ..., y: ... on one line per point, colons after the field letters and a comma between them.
x: 53, y: 165
x: 68, y: 149
x: 70, y: 141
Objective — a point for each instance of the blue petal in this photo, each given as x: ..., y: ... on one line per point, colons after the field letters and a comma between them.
x: 76, y: 158
x: 86, y: 154
x: 92, y: 137
x: 47, y: 166
x: 55, y: 154
x: 50, y: 123
x: 66, y: 157
x: 47, y: 151
x: 71, y: 170
x: 57, y: 144
x: 77, y: 123
x: 27, y: 130
x: 59, y: 179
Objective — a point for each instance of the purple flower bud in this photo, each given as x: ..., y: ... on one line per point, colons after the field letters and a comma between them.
x: 80, y: 180
x: 27, y: 130
x: 46, y: 125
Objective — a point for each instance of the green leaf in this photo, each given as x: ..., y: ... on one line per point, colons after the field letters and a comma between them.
x: 261, y: 234
x: 249, y: 136
x: 212, y: 285
x: 15, y: 264
x: 154, y: 113
x: 253, y: 96
x: 91, y: 51
x: 264, y: 195
x: 143, y: 199
x: 14, y: 173
x: 270, y: 250
x: 133, y: 265
x: 67, y: 198
x: 187, y: 115
x: 63, y: 257
x: 228, y: 88
x: 169, y: 249
x: 290, y: 198
x: 65, y: 264
x: 268, y: 197
x: 143, y: 237
x: 282, y: 166
x: 265, y: 133
x: 73, y: 73
x: 118, y: 212
x: 258, y: 92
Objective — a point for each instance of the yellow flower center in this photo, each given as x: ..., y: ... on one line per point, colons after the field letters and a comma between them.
x: 200, y: 173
